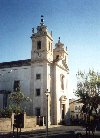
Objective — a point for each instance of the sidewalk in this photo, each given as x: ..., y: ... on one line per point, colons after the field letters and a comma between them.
x: 50, y: 128
x: 53, y: 129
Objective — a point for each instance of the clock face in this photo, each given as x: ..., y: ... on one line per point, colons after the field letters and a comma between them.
x: 38, y: 54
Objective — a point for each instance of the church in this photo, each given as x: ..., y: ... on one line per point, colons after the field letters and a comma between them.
x: 46, y: 71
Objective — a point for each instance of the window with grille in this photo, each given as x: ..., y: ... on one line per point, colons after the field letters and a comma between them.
x: 16, y: 86
x: 38, y: 76
x: 37, y: 92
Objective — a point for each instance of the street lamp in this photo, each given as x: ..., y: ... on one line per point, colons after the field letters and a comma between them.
x: 47, y: 94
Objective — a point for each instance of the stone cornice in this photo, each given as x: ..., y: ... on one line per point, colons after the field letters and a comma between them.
x: 41, y: 34
x: 41, y: 61
x: 27, y: 62
x: 63, y: 68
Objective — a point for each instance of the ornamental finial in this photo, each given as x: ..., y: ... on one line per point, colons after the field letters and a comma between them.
x: 59, y: 40
x: 42, y: 20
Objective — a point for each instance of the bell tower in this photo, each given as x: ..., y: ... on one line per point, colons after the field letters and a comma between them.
x: 42, y: 43
x: 41, y: 59
x: 60, y: 53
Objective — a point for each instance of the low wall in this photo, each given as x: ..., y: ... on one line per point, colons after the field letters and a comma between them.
x: 30, y: 122
x: 6, y: 124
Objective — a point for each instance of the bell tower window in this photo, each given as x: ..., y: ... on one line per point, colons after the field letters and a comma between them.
x: 57, y: 57
x: 49, y: 45
x: 38, y: 45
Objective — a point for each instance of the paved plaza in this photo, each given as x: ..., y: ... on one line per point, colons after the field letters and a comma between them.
x: 53, y: 130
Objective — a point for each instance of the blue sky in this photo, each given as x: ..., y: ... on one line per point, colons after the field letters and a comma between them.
x: 77, y: 22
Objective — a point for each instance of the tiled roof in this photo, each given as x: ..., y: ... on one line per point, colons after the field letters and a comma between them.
x: 18, y: 63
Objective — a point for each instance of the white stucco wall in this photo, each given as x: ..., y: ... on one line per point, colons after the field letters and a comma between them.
x: 59, y: 92
x: 9, y: 75
x: 37, y: 84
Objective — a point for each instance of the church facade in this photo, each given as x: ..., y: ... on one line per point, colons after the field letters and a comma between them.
x: 47, y: 70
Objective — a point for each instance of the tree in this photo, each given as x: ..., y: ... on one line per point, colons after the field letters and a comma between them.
x: 88, y: 91
x: 17, y: 98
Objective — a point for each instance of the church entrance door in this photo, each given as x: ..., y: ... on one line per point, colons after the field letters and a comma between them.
x: 63, y: 111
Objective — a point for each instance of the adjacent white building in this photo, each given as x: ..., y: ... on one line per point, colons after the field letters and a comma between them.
x: 75, y: 109
x: 47, y: 69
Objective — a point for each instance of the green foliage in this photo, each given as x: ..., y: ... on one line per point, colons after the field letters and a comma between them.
x: 5, y: 113
x: 16, y: 99
x: 88, y: 91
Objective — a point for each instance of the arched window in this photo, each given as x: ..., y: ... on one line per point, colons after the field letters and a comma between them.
x: 38, y: 45
x: 62, y: 81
